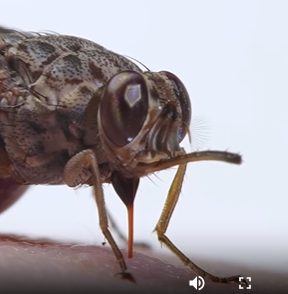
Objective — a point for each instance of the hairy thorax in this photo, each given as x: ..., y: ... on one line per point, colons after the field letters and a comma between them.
x: 46, y: 82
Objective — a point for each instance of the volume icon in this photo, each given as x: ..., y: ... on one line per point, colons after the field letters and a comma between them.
x: 198, y: 283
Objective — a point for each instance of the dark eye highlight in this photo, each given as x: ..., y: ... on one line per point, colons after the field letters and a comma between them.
x: 124, y: 107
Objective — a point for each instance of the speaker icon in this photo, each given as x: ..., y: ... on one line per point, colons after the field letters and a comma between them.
x: 198, y: 283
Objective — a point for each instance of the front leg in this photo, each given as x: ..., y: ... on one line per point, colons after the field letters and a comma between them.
x: 162, y: 225
x: 77, y: 171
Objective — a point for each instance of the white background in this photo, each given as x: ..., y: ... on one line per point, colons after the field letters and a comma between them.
x: 233, y: 58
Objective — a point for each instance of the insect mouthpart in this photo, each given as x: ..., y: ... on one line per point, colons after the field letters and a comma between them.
x: 73, y: 112
x: 142, y: 119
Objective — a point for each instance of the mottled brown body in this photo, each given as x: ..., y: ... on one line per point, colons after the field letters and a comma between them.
x: 46, y: 83
x: 74, y: 113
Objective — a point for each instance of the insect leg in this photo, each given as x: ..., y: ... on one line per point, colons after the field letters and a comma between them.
x: 162, y: 225
x: 73, y: 172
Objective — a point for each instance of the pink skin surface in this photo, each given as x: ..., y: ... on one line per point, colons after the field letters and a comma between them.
x: 30, y: 265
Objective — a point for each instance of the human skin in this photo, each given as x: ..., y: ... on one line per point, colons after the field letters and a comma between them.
x: 30, y: 265
x: 36, y: 265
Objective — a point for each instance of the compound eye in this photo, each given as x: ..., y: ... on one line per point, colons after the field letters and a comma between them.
x: 123, y: 107
x: 184, y: 100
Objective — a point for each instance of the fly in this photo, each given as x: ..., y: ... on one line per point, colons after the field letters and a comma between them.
x: 75, y: 113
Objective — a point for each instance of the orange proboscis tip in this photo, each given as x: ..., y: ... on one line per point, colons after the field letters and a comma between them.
x: 130, y: 210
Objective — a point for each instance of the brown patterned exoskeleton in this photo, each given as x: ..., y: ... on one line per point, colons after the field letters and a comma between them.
x: 74, y: 113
